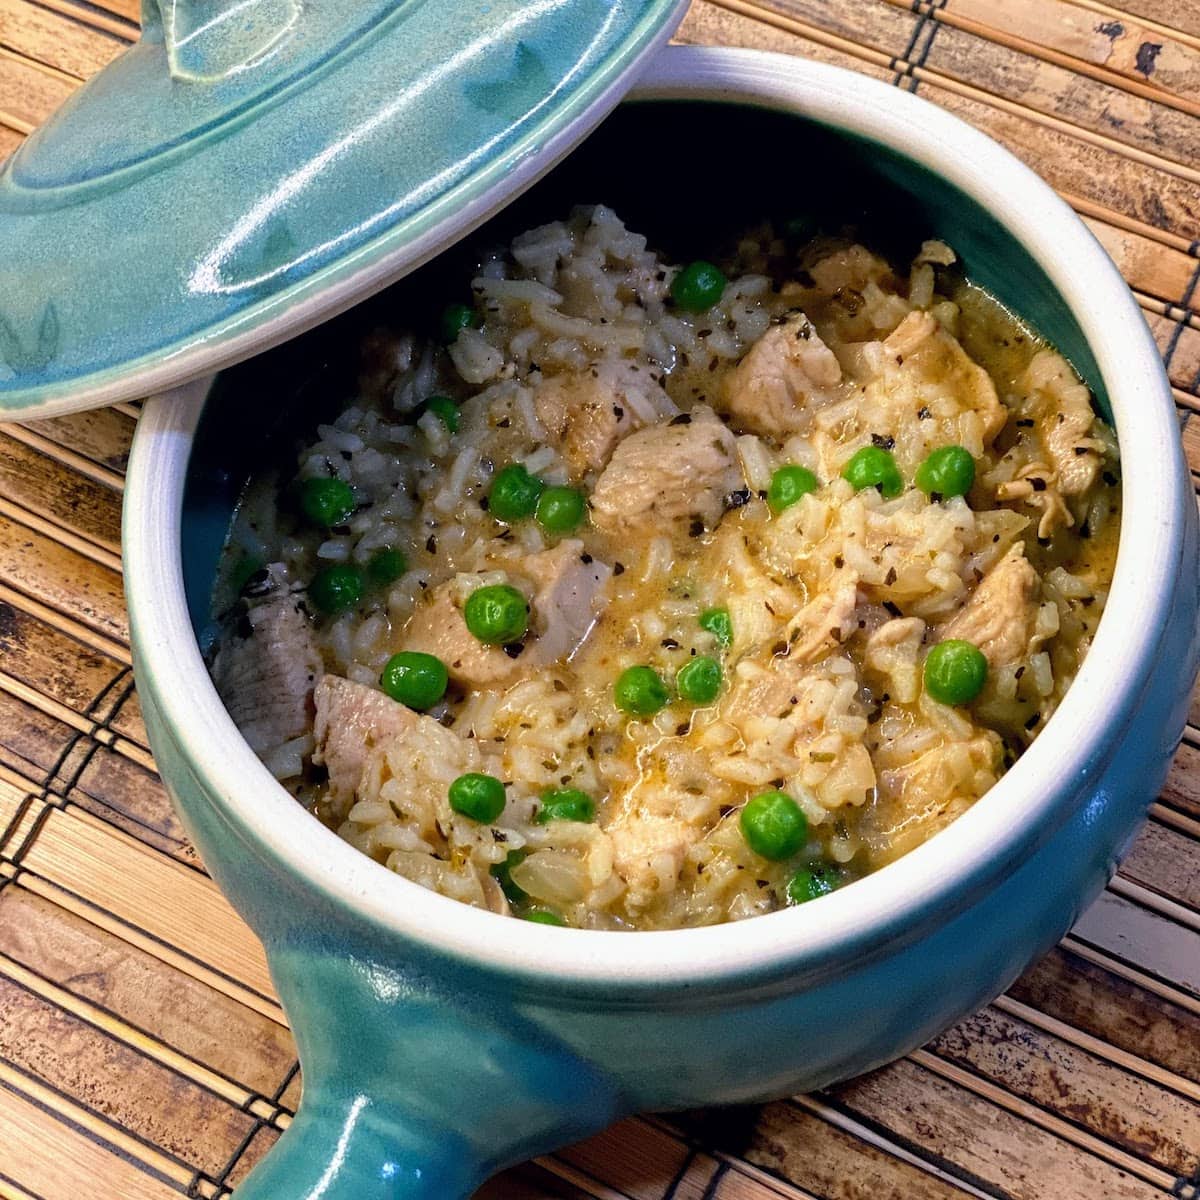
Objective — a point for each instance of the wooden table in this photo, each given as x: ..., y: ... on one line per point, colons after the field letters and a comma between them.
x: 142, y: 1052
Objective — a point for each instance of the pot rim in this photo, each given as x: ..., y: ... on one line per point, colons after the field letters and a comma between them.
x: 928, y: 884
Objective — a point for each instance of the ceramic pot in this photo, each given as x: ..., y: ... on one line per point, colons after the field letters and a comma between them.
x: 440, y: 1043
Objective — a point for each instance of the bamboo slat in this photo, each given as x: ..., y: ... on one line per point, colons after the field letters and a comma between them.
x: 142, y: 1052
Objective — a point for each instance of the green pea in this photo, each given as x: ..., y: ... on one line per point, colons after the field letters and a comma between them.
x: 640, y: 692
x: 566, y: 804
x: 326, y: 502
x: 810, y: 882
x: 873, y: 466
x: 955, y: 672
x: 416, y: 679
x: 698, y: 286
x: 787, y: 485
x: 774, y: 826
x: 446, y: 409
x: 478, y: 796
x: 386, y: 565
x: 716, y: 621
x: 456, y: 318
x: 543, y: 916
x: 502, y: 873
x: 336, y: 589
x: 699, y: 681
x: 560, y: 509
x: 497, y: 614
x: 514, y: 494
x: 948, y: 471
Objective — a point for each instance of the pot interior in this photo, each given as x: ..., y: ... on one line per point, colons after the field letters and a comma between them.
x: 689, y: 175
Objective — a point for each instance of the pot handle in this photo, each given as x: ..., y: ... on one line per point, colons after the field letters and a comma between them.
x: 417, y: 1085
x: 351, y: 1147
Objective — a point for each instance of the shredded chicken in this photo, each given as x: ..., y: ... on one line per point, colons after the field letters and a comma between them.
x: 923, y: 370
x: 893, y: 651
x: 1066, y: 422
x: 823, y: 623
x: 1001, y: 615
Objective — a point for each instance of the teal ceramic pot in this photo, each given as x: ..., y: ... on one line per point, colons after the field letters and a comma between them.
x: 440, y: 1043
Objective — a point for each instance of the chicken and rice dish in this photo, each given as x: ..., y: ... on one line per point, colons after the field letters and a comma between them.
x: 645, y: 596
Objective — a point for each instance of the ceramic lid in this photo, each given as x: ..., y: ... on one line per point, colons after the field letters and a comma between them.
x: 252, y: 167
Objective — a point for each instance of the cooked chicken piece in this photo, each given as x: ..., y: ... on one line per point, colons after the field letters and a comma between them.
x: 770, y: 691
x: 352, y: 719
x: 893, y: 651
x: 923, y: 794
x: 648, y: 852
x: 934, y: 251
x: 836, y: 268
x: 568, y: 595
x: 1035, y: 484
x: 924, y: 373
x: 1065, y: 419
x: 1001, y: 614
x: 677, y: 471
x: 587, y: 413
x: 910, y: 333
x: 266, y: 677
x: 438, y: 627
x: 787, y: 371
x: 823, y: 623
x: 568, y: 600
x: 758, y: 599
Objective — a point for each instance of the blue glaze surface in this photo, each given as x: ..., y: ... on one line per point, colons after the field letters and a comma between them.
x: 426, y: 1070
x: 250, y: 162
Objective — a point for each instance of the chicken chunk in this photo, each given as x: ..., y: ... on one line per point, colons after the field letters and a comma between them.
x: 893, y: 651
x: 438, y: 627
x: 787, y: 371
x: 569, y: 596
x: 1001, y: 615
x: 677, y: 471
x: 922, y: 370
x: 921, y: 793
x: 265, y: 673
x: 648, y: 854
x: 352, y: 719
x: 823, y: 623
x: 764, y: 691
x: 587, y: 413
x: 1065, y: 419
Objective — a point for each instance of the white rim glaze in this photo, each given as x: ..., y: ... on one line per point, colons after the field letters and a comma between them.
x: 928, y: 883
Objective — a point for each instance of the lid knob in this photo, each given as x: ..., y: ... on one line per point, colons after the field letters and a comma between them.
x: 210, y: 40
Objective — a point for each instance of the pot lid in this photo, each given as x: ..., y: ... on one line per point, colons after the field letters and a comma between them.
x: 251, y: 167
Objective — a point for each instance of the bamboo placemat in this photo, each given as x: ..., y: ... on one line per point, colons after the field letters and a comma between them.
x: 142, y: 1052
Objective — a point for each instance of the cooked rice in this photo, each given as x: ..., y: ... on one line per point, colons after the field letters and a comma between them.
x: 875, y: 764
